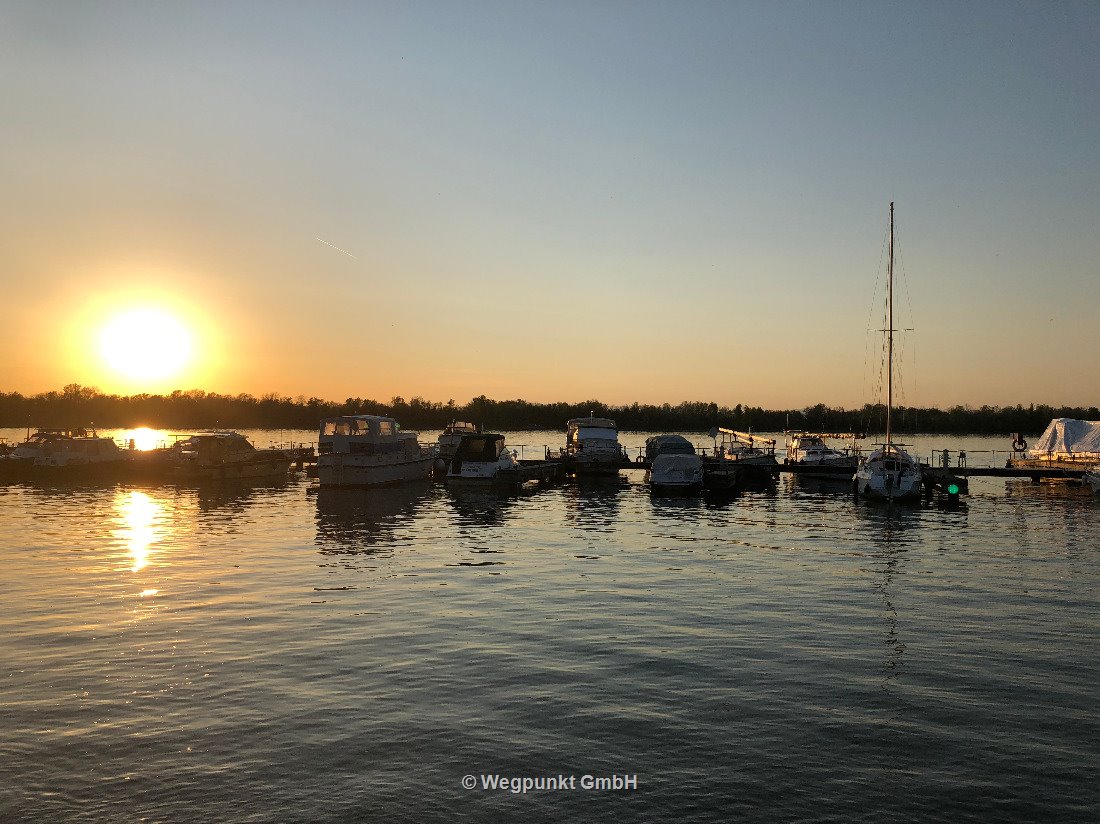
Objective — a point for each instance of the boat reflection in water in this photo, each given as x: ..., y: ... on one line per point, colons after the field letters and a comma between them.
x: 593, y: 502
x: 480, y: 506
x: 368, y: 522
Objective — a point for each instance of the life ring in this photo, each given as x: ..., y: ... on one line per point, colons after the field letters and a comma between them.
x: 1019, y: 445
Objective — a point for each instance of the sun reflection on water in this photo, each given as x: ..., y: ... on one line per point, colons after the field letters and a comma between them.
x: 140, y: 515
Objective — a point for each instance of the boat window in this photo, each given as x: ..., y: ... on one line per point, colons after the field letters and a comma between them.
x: 362, y: 427
x: 386, y: 427
x: 328, y: 428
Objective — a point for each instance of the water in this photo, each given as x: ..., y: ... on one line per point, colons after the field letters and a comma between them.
x: 275, y: 653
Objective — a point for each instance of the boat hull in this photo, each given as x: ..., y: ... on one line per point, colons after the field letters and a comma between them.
x: 338, y: 469
x: 888, y: 486
x: 829, y: 469
x: 274, y: 467
x: 676, y: 474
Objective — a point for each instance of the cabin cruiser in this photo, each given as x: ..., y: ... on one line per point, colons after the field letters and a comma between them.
x: 63, y: 453
x: 481, y: 459
x: 224, y: 456
x: 368, y: 450
x: 592, y: 446
x: 673, y: 464
x: 449, y: 439
x: 810, y: 450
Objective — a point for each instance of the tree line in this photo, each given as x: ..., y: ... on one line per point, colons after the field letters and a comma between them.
x: 82, y: 406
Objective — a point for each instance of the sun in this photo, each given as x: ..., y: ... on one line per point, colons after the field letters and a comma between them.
x: 145, y: 344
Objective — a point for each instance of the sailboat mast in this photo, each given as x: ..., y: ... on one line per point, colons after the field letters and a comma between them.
x: 890, y: 330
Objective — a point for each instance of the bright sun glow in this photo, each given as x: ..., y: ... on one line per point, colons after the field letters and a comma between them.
x: 145, y: 344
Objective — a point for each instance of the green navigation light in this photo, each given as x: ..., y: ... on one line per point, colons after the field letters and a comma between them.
x: 952, y: 489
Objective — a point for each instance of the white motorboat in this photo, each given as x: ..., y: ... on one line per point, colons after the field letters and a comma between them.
x: 674, y: 465
x: 810, y: 450
x: 219, y: 456
x: 482, y: 459
x: 592, y: 446
x: 60, y: 454
x: 889, y: 473
x: 369, y: 450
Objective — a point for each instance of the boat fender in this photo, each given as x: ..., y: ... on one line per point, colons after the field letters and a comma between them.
x: 1019, y: 444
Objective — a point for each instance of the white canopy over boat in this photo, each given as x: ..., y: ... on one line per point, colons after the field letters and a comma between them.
x: 1068, y: 437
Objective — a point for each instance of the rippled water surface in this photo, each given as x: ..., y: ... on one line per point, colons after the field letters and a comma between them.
x: 276, y: 653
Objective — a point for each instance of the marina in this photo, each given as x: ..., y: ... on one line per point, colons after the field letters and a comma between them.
x: 587, y: 626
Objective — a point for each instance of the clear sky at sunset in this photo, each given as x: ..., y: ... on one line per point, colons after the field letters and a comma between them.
x: 553, y: 201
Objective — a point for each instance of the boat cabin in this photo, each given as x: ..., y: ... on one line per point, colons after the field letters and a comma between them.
x: 481, y: 448
x: 667, y: 445
x: 364, y: 434
x: 215, y: 446
x: 583, y: 430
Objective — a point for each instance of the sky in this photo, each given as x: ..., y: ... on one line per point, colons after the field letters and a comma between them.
x: 626, y: 201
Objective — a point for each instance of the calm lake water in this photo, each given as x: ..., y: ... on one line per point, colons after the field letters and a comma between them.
x: 276, y: 653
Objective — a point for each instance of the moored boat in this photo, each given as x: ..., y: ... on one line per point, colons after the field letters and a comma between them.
x: 811, y: 451
x: 448, y: 441
x: 1067, y: 443
x: 745, y: 448
x: 482, y: 459
x: 674, y: 465
x: 64, y: 454
x: 369, y: 450
x: 223, y: 455
x: 889, y: 473
x: 592, y: 446
x: 1092, y: 478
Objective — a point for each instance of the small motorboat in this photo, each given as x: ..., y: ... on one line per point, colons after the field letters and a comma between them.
x: 482, y: 459
x: 674, y: 466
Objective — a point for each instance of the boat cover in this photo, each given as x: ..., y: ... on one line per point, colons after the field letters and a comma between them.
x: 1068, y: 436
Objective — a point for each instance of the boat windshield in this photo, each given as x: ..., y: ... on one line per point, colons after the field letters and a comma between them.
x: 596, y: 433
x: 480, y: 447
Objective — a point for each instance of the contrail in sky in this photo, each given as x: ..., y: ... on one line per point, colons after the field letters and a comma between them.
x: 337, y: 248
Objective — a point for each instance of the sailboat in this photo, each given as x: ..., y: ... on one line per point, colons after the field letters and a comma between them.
x: 889, y: 472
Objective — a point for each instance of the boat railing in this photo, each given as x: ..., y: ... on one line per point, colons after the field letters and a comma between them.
x: 965, y: 457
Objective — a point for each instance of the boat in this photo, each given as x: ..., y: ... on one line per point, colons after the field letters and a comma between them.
x: 810, y: 450
x: 1092, y: 478
x: 1067, y: 443
x: 745, y: 448
x: 224, y: 455
x: 889, y: 472
x: 481, y: 459
x: 64, y: 454
x: 592, y: 446
x: 369, y: 450
x: 449, y: 439
x: 674, y: 465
